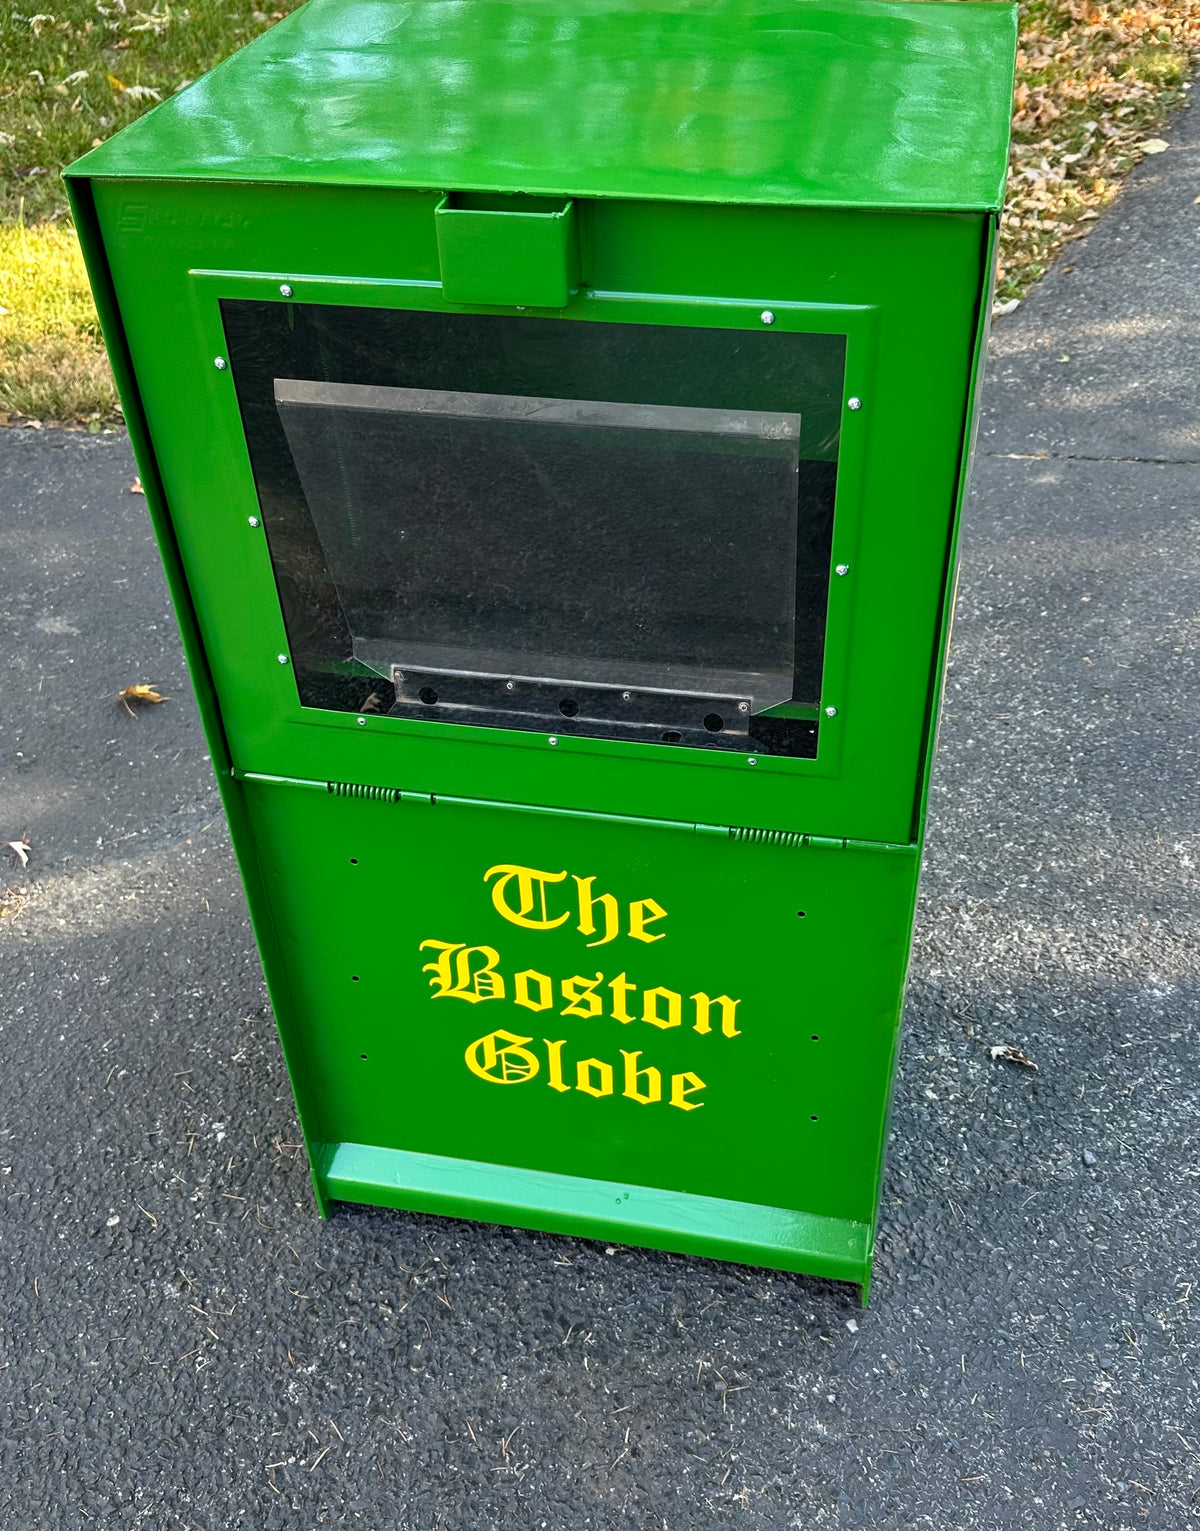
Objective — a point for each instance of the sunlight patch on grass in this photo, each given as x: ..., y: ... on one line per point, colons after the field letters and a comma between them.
x: 68, y: 80
x: 52, y: 361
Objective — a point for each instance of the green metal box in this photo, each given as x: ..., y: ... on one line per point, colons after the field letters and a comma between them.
x: 555, y: 416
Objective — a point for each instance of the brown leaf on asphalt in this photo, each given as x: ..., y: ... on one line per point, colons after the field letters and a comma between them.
x: 136, y: 487
x: 20, y: 849
x: 138, y: 696
x: 1012, y: 1055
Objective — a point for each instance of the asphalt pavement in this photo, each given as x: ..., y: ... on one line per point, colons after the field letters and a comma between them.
x: 185, y: 1344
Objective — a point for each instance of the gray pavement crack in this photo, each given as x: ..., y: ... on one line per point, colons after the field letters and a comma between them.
x: 1165, y: 462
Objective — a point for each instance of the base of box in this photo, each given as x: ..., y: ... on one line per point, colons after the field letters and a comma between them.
x: 597, y: 1209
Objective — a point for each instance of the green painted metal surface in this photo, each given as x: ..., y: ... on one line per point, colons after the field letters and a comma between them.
x: 175, y: 252
x: 507, y: 250
x: 838, y: 103
x: 422, y: 953
x: 577, y: 983
x: 701, y: 1225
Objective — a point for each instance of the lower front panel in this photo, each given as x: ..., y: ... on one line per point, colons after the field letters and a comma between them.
x: 675, y: 1035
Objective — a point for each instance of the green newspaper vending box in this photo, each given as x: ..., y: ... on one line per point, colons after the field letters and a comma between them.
x: 555, y: 415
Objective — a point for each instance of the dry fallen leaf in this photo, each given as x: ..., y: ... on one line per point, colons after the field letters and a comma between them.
x: 139, y: 694
x: 20, y: 849
x: 136, y: 487
x: 1095, y: 82
x: 1012, y: 1055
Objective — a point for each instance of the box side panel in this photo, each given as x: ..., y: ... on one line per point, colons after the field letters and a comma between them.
x: 946, y: 617
x: 195, y: 654
x: 950, y: 583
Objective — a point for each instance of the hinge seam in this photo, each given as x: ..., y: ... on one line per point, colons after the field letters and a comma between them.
x: 796, y: 840
x: 739, y: 834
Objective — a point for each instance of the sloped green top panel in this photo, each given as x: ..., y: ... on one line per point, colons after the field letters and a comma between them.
x: 842, y: 103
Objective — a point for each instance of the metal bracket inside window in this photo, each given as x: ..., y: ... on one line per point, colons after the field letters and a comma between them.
x: 643, y: 715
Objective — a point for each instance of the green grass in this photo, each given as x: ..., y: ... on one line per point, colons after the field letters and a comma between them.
x: 52, y: 362
x: 74, y: 77
x: 1095, y: 79
x: 68, y: 80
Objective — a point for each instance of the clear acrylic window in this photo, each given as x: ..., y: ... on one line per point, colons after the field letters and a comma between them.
x: 616, y: 530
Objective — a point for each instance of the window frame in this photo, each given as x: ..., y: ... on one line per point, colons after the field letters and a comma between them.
x: 858, y: 323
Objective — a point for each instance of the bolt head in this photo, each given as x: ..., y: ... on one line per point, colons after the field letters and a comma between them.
x: 842, y: 568
x: 854, y: 403
x: 831, y: 712
x: 553, y: 739
x: 251, y: 520
x: 282, y: 658
x: 751, y: 759
x: 510, y: 685
x: 284, y: 290
x: 627, y: 696
x: 220, y: 363
x: 767, y: 316
x: 743, y: 706
x: 362, y: 722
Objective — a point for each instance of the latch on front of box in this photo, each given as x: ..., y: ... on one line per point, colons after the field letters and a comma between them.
x: 501, y: 250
